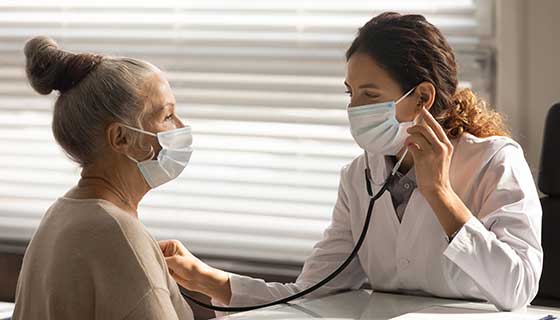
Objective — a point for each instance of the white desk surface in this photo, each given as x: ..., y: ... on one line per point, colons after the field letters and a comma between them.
x: 6, y: 310
x: 363, y: 304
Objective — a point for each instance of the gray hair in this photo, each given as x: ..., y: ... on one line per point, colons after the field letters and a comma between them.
x: 94, y: 91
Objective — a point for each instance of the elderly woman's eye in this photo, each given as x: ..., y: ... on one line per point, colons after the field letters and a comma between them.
x: 169, y: 117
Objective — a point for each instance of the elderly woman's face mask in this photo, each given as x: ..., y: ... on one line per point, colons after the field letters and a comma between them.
x: 171, y: 160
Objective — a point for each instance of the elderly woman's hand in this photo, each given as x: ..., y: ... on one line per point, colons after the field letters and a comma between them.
x: 193, y: 274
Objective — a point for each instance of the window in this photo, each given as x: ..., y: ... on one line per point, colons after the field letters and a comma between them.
x: 261, y: 82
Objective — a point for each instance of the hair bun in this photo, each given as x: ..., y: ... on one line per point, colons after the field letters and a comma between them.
x: 50, y: 68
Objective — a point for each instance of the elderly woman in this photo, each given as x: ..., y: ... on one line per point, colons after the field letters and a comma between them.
x: 91, y: 258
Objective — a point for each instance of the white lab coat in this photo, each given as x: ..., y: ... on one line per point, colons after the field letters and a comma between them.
x: 496, y: 256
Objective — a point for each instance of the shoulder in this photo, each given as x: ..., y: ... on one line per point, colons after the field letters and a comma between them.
x: 115, y: 241
x: 469, y: 143
x: 353, y: 168
x: 358, y: 163
x: 491, y: 166
x: 127, y: 225
x: 474, y: 152
x: 134, y: 235
x: 105, y: 222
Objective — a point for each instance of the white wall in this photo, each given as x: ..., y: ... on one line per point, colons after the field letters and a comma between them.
x: 528, y: 68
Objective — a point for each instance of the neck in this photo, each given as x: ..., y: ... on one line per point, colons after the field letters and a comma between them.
x: 108, y: 184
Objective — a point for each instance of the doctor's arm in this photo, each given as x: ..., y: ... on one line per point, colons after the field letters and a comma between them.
x: 237, y: 290
x: 499, y: 249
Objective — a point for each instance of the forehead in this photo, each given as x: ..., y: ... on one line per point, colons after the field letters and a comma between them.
x: 362, y: 68
x: 157, y: 92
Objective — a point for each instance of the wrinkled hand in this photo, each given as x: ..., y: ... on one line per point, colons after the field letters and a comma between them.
x: 432, y: 152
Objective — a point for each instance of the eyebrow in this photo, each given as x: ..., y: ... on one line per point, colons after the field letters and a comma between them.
x: 161, y: 108
x: 363, y: 86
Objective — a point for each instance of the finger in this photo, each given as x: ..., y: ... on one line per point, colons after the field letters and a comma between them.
x: 167, y: 247
x: 413, y: 149
x: 173, y: 263
x: 425, y: 131
x: 181, y: 278
x: 163, y: 245
x: 432, y: 123
x: 176, y: 269
x: 429, y: 135
x: 179, y: 248
x: 180, y: 265
x: 420, y: 141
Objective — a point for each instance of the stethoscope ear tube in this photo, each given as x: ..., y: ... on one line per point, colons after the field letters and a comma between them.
x: 331, y: 276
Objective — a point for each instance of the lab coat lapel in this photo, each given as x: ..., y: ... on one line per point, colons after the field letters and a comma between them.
x: 385, y: 203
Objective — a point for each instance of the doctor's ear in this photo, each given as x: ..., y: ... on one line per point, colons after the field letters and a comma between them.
x: 426, y: 93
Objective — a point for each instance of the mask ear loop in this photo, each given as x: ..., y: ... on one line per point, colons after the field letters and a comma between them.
x: 150, y: 153
x: 398, y: 164
x: 405, y: 95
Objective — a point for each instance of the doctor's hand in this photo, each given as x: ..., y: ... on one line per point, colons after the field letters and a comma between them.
x: 432, y: 151
x: 193, y: 274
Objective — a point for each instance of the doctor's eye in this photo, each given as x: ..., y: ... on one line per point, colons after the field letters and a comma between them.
x: 348, y: 92
x: 371, y: 95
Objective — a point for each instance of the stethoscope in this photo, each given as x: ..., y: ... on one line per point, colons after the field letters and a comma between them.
x: 353, y: 254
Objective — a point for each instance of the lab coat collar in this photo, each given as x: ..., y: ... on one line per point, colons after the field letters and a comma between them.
x: 379, y: 169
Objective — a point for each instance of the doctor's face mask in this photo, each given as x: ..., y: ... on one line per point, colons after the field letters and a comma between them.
x: 379, y: 112
x: 375, y: 127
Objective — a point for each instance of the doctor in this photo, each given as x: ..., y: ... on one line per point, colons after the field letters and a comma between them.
x: 461, y: 220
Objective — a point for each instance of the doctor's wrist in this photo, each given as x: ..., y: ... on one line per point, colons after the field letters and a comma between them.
x: 215, y: 284
x: 436, y: 191
x: 450, y: 210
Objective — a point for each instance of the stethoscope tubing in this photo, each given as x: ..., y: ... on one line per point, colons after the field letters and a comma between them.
x: 338, y: 270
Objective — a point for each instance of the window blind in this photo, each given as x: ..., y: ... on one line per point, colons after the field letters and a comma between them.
x: 261, y: 83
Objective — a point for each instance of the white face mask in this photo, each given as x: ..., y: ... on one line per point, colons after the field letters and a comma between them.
x: 376, y: 129
x: 175, y: 153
